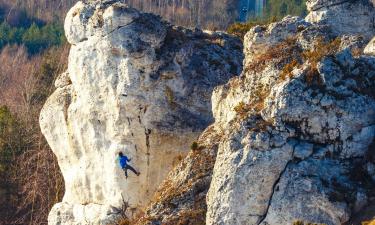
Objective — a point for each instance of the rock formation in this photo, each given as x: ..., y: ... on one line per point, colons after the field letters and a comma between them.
x: 293, y: 135
x: 293, y: 138
x: 134, y: 84
x: 344, y: 16
x: 299, y: 147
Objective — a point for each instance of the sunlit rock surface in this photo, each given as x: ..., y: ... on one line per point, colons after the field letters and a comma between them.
x: 134, y: 84
x: 298, y: 142
x: 344, y: 16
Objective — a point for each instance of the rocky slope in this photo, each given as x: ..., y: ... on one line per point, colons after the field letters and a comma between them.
x: 134, y: 84
x: 293, y: 138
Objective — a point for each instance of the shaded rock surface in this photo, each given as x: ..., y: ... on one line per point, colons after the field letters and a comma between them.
x: 134, y: 84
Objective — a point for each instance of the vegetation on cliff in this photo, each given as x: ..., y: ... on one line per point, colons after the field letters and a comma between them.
x: 30, y: 180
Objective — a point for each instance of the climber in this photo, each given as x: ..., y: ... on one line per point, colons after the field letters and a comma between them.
x: 123, y: 159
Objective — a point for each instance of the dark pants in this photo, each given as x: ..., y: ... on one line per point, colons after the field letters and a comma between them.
x: 127, y: 167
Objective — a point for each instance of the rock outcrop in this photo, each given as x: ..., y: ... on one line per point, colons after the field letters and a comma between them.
x: 299, y: 147
x: 344, y: 16
x: 301, y: 124
x: 293, y: 138
x: 293, y: 135
x: 134, y: 84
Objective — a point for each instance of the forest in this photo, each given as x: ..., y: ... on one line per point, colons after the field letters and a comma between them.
x: 33, y: 51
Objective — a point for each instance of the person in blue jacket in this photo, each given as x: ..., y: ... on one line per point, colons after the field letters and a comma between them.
x: 123, y: 160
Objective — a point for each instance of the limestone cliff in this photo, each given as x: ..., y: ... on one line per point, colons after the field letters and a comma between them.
x: 134, y: 84
x: 293, y: 138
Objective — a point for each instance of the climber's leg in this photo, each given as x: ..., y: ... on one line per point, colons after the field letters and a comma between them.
x: 132, y: 169
x: 126, y: 172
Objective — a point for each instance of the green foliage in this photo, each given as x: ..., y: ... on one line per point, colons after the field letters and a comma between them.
x: 273, y: 11
x: 35, y: 38
x: 240, y: 29
x: 281, y: 8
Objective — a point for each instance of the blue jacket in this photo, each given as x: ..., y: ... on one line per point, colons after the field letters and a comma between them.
x: 123, y: 161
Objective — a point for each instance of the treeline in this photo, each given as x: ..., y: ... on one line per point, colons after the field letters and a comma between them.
x: 48, y: 11
x: 35, y: 38
x: 30, y: 179
x: 206, y: 14
x: 273, y: 11
x: 281, y: 8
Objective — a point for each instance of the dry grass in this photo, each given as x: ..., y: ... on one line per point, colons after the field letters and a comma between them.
x: 371, y: 222
x: 287, y: 55
x: 287, y: 70
x: 280, y: 53
x: 242, y: 109
x: 170, y: 97
x: 356, y: 52
x: 321, y: 49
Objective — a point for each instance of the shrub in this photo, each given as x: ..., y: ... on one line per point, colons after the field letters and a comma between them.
x: 194, y: 146
x: 240, y: 29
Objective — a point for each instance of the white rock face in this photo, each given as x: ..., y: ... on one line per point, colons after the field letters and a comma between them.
x: 295, y: 147
x: 355, y: 17
x: 134, y: 84
x: 370, y: 48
